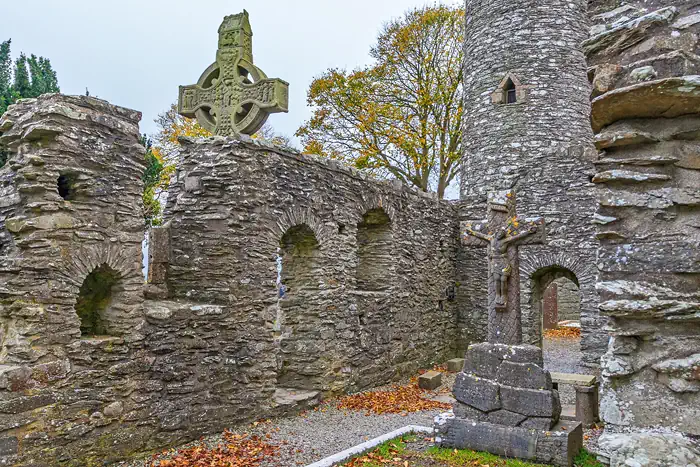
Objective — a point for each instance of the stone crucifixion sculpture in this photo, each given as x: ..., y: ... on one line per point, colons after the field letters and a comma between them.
x: 503, y: 232
x: 233, y: 96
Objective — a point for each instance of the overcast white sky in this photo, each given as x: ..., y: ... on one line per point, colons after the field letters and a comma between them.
x: 135, y: 53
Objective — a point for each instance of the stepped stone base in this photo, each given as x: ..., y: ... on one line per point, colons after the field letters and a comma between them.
x: 557, y: 446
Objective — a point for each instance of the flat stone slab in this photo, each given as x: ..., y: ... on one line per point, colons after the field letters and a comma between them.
x: 292, y: 397
x: 430, y: 380
x: 557, y: 446
x: 665, y: 98
x: 574, y: 379
x: 455, y: 365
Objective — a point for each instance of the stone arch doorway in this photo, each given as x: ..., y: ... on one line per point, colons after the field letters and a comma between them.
x: 300, y: 362
x: 96, y: 304
x: 555, y: 294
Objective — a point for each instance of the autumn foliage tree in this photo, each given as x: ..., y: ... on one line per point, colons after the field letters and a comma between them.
x: 402, y: 115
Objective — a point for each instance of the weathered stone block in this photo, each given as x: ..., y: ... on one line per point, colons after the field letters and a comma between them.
x: 505, y: 417
x: 531, y: 402
x: 482, y: 360
x: 556, y: 447
x: 537, y: 423
x: 587, y: 404
x: 523, y: 354
x: 466, y: 411
x: 430, y: 380
x: 477, y: 392
x: 523, y: 375
x: 455, y: 365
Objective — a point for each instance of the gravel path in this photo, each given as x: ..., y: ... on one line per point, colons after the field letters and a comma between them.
x: 563, y: 355
x: 319, y: 433
x: 316, y: 434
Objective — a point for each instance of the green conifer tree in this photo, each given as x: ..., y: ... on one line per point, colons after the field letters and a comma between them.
x: 22, y: 85
x: 5, y: 76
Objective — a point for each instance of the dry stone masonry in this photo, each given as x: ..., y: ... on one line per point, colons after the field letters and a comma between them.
x: 646, y: 115
x: 95, y: 366
x: 280, y: 278
x: 527, y: 128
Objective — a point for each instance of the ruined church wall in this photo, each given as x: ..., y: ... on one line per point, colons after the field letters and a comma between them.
x: 61, y: 392
x: 540, y: 146
x: 213, y: 346
x: 233, y: 205
x: 646, y: 96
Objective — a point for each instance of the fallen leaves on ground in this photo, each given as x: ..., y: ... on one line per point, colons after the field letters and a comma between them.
x: 374, y: 458
x: 235, y: 451
x: 563, y: 333
x: 400, y: 399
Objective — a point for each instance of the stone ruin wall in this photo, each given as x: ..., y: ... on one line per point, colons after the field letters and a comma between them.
x: 58, y: 392
x: 367, y: 266
x: 646, y: 100
x: 568, y: 300
x: 377, y: 261
x: 541, y: 146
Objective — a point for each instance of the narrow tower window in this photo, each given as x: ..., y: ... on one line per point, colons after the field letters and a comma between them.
x: 510, y: 91
x: 511, y: 96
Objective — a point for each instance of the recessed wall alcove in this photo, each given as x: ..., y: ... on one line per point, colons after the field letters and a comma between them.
x: 95, y: 300
x: 300, y: 363
x: 374, y: 252
x: 66, y: 185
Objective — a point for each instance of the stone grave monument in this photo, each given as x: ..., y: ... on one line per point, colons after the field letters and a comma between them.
x: 233, y: 96
x: 505, y: 401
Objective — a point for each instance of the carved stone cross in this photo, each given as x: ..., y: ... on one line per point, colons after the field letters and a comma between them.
x: 233, y: 96
x: 503, y: 233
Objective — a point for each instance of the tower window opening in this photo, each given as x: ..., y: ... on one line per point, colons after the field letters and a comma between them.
x: 511, y: 95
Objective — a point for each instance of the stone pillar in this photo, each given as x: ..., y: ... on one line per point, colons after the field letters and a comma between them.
x: 541, y: 145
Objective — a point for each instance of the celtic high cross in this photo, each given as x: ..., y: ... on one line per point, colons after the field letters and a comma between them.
x: 233, y: 96
x: 503, y: 232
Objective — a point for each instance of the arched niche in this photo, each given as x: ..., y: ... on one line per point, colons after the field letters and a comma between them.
x: 375, y: 260
x: 301, y: 363
x: 95, y: 302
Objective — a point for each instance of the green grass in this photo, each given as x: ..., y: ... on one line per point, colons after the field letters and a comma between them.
x: 400, y: 447
x: 458, y: 457
x: 389, y: 450
x: 586, y: 459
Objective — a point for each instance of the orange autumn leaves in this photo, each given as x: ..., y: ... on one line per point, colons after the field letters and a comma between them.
x: 563, y: 333
x: 235, y: 451
x: 399, y: 400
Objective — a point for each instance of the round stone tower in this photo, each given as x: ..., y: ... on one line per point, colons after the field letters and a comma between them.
x: 527, y: 128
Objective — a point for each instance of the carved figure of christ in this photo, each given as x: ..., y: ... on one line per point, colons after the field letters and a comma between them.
x: 503, y: 233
